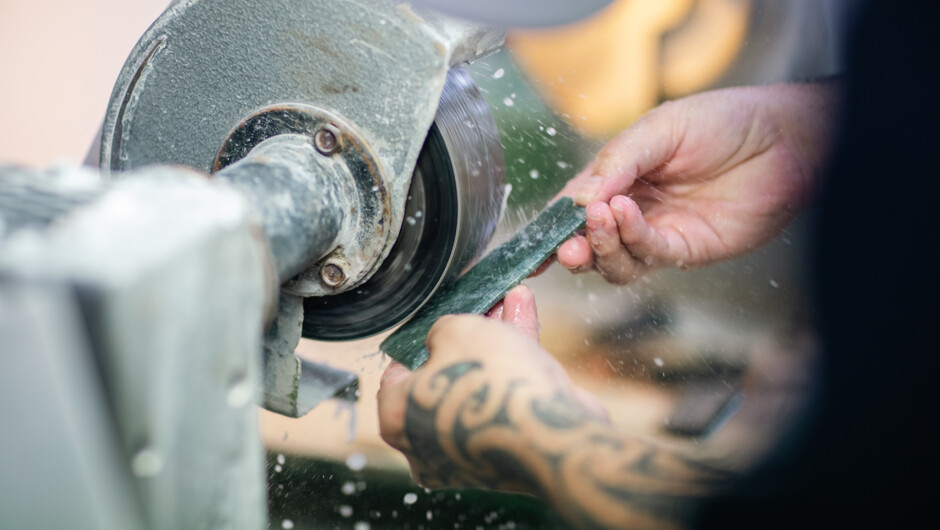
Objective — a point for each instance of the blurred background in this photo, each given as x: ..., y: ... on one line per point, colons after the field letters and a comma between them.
x: 718, y: 359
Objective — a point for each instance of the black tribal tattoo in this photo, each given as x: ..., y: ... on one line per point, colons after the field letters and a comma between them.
x: 512, y: 437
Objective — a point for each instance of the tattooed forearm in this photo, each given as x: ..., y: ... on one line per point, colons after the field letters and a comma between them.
x: 510, y: 436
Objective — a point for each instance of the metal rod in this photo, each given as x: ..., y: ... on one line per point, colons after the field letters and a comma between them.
x: 301, y: 197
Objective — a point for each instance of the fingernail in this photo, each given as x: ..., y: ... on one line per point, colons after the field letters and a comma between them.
x: 617, y: 203
x: 595, y: 212
x: 588, y: 190
x: 394, y: 371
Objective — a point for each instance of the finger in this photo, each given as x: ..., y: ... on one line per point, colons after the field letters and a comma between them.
x: 392, y: 400
x: 496, y: 312
x: 642, y: 148
x: 611, y: 258
x: 572, y: 186
x: 544, y: 266
x: 451, y: 335
x: 520, y: 311
x: 641, y: 239
x: 576, y: 255
x: 394, y: 374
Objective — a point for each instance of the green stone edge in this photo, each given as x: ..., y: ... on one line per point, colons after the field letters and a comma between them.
x: 489, y: 280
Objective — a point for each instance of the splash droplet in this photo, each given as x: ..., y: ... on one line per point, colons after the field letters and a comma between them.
x: 356, y: 461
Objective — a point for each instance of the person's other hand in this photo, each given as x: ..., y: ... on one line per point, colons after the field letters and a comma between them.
x: 474, y: 395
x: 700, y: 180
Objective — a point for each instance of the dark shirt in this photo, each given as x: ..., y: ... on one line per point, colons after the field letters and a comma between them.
x: 868, y: 455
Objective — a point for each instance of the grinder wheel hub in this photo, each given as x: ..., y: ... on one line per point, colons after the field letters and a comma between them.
x: 454, y: 204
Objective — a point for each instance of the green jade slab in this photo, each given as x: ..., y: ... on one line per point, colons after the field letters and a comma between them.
x: 489, y: 280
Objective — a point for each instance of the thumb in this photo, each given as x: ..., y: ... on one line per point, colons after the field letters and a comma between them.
x: 520, y: 311
x: 392, y: 400
x: 640, y: 149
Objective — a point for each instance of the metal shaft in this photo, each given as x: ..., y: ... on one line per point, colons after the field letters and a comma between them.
x: 301, y: 196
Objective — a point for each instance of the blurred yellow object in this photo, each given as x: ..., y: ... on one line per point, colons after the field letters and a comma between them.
x: 603, y: 73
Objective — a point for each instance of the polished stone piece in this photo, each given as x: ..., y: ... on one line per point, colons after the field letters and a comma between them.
x: 489, y: 280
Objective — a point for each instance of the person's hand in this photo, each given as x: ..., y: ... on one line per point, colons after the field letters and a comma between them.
x: 700, y: 180
x: 472, y: 396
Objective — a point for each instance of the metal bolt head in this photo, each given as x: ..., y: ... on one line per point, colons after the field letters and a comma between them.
x: 326, y: 139
x: 332, y: 275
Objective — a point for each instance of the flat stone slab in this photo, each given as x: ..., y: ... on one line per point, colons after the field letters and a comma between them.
x: 480, y: 288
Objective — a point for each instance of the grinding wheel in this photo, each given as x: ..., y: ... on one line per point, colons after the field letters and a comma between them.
x: 454, y: 204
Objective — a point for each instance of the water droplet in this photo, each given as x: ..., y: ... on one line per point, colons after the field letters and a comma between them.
x: 356, y: 461
x: 239, y: 393
x: 508, y: 102
x: 658, y: 362
x: 534, y: 174
x: 281, y: 459
x: 348, y: 488
x: 551, y: 131
x: 147, y: 463
x: 774, y: 284
x: 411, y: 220
x: 361, y: 525
x: 498, y: 74
x: 430, y: 515
x: 410, y: 498
x: 287, y: 523
x: 562, y: 165
x: 345, y: 511
x: 278, y: 468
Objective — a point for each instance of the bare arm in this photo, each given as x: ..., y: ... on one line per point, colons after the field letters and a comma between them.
x: 491, y: 409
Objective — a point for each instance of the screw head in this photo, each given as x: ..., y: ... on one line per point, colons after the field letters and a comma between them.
x: 332, y: 275
x: 326, y: 139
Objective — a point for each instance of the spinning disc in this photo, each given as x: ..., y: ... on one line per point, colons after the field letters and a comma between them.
x: 454, y: 205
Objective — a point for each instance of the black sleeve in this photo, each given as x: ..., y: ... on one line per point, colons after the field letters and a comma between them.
x: 869, y: 457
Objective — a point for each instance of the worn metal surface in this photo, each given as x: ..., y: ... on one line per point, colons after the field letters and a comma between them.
x: 168, y: 271
x: 32, y: 199
x: 335, y: 188
x: 207, y: 65
x: 302, y: 199
x: 293, y: 386
x: 519, y: 13
x: 489, y: 280
x: 58, y: 439
x: 455, y: 202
